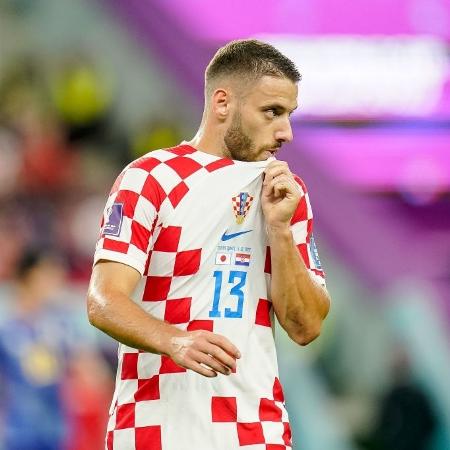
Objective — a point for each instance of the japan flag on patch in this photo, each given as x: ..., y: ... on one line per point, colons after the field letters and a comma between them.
x: 223, y: 258
x: 114, y: 222
x: 242, y: 259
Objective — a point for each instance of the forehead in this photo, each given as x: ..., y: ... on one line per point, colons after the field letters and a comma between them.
x: 274, y: 90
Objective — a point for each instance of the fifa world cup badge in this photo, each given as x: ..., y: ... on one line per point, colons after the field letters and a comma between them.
x: 241, y: 206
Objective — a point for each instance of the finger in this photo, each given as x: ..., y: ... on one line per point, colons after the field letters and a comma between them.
x: 273, y: 174
x: 197, y: 367
x: 278, y: 190
x: 283, y: 178
x: 281, y: 185
x: 286, y: 176
x: 274, y: 171
x: 212, y: 363
x: 224, y: 344
x: 276, y: 166
x: 276, y: 163
x: 265, y: 187
x: 220, y: 355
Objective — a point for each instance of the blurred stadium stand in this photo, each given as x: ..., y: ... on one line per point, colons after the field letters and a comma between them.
x: 86, y: 87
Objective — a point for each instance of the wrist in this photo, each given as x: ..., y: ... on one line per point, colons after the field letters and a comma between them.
x: 168, y: 336
x: 278, y: 232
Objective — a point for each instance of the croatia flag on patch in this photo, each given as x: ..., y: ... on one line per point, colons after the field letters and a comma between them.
x: 223, y: 258
x: 242, y: 259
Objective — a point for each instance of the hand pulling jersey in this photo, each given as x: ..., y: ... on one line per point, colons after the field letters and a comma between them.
x: 191, y: 223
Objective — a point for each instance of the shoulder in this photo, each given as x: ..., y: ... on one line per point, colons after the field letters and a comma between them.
x: 154, y: 175
x: 152, y: 159
x: 147, y: 167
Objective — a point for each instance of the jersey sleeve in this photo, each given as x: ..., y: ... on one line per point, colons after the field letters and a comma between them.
x: 302, y: 232
x: 129, y: 218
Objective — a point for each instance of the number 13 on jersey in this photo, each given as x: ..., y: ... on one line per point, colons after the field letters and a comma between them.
x: 237, y: 279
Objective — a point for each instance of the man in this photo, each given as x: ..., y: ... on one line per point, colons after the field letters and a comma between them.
x: 33, y: 351
x: 45, y: 359
x: 200, y: 244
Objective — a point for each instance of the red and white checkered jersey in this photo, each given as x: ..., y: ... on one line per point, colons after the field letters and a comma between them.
x: 191, y: 223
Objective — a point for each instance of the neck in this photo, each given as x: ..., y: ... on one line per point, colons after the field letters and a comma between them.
x: 209, y: 139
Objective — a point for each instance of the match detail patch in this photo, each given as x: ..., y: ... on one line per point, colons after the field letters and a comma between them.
x: 314, y: 253
x: 114, y: 222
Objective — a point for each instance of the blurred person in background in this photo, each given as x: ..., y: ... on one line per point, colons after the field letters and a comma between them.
x: 32, y: 353
x: 170, y: 230
x: 406, y: 418
x: 45, y: 401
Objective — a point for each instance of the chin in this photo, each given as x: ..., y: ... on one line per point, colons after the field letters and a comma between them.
x: 265, y: 156
x: 252, y: 157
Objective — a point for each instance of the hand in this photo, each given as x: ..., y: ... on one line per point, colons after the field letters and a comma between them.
x: 280, y: 194
x: 192, y: 349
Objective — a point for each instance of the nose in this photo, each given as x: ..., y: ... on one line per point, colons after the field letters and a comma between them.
x: 284, y: 133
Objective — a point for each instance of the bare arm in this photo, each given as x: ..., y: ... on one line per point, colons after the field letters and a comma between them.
x: 299, y: 302
x: 111, y: 309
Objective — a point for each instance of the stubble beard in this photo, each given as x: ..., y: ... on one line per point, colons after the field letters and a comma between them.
x: 238, y: 145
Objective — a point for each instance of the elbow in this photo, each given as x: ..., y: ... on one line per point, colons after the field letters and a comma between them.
x: 93, y: 311
x: 304, y: 336
x: 304, y: 328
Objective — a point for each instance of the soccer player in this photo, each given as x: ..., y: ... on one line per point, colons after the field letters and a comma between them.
x: 33, y: 355
x: 200, y: 245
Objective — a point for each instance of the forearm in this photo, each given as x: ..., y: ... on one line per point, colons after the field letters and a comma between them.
x: 111, y: 309
x: 118, y: 316
x: 299, y: 302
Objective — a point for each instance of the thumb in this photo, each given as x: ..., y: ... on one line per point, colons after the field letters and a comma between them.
x: 266, y: 192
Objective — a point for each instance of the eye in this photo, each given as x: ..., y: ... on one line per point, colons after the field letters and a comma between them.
x: 271, y: 113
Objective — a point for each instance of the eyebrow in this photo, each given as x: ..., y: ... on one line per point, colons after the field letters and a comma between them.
x: 278, y: 107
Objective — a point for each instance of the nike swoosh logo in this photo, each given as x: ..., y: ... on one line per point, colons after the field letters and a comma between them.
x: 227, y: 237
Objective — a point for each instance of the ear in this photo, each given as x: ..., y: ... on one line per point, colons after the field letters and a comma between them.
x: 220, y: 103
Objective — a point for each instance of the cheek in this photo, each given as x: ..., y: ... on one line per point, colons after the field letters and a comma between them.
x: 258, y: 129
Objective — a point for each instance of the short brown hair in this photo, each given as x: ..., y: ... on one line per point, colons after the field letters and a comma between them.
x: 250, y: 59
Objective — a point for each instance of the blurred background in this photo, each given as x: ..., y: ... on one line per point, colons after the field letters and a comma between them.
x: 86, y: 87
